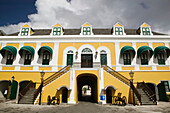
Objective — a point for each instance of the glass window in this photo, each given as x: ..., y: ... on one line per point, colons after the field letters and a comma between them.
x: 57, y: 31
x: 86, y: 31
x: 69, y: 59
x: 10, y: 58
x: 145, y: 30
x: 161, y: 58
x: 118, y: 31
x: 27, y: 60
x: 103, y: 59
x: 24, y: 31
x: 144, y: 58
x: 127, y: 58
x: 46, y: 58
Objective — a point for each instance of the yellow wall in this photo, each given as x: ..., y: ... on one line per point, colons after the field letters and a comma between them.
x: 30, y: 44
x: 124, y: 44
x: 13, y: 44
x: 63, y: 46
x: 141, y: 44
x: 48, y: 44
x: 157, y: 44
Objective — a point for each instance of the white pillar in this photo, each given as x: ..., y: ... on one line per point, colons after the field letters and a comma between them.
x: 72, y: 86
x: 117, y: 53
x: 54, y: 60
x: 34, y: 62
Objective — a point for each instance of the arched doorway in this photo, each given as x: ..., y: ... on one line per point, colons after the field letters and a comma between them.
x: 4, y: 87
x: 23, y: 84
x: 64, y: 95
x: 110, y: 91
x: 86, y: 58
x: 91, y: 81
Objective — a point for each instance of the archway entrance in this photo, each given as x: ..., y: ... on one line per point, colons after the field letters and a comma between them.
x: 4, y: 88
x: 64, y: 95
x: 87, y: 80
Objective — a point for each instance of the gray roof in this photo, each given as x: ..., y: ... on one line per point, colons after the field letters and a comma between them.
x: 78, y: 31
x: 2, y: 33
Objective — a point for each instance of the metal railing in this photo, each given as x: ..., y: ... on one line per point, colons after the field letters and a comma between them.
x: 51, y: 78
x: 123, y: 79
x: 25, y: 90
x: 151, y: 95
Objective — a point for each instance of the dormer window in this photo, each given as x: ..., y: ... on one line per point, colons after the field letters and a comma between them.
x: 24, y: 31
x: 57, y: 30
x: 145, y: 29
x: 86, y: 29
x: 118, y: 29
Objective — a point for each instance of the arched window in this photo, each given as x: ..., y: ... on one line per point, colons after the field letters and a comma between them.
x: 144, y: 58
x: 70, y: 57
x: 103, y: 57
x: 86, y: 58
x: 10, y: 58
x: 86, y: 50
x: 28, y: 57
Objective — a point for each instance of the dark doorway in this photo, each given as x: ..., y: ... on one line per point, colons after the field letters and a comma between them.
x: 91, y: 81
x: 4, y: 87
x: 108, y: 95
x: 87, y: 60
x: 152, y: 87
x: 162, y: 92
x: 64, y: 95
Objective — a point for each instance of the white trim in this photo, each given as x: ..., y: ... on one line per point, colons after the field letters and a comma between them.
x: 109, y: 86
x: 55, y: 56
x: 65, y: 54
x: 141, y: 32
x: 119, y: 27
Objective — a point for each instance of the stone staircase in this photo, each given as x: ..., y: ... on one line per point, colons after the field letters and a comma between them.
x: 28, y: 98
x: 144, y: 98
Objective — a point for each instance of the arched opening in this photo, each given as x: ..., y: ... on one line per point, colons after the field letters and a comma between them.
x: 5, y: 88
x: 23, y: 84
x: 86, y: 92
x: 87, y: 80
x: 64, y: 95
x: 110, y: 91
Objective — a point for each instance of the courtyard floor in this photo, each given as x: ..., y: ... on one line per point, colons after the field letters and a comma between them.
x: 83, y: 107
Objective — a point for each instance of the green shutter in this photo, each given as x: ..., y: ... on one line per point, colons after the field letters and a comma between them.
x: 118, y: 30
x: 13, y: 90
x: 158, y: 49
x: 11, y: 49
x: 146, y: 30
x: 69, y: 59
x: 127, y: 48
x: 143, y: 49
x: 103, y: 59
x: 27, y: 48
x: 127, y: 58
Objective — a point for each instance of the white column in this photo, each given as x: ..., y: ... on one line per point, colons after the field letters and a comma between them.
x: 101, y: 86
x: 117, y: 53
x: 167, y: 60
x: 134, y: 59
x: 54, y: 60
x: 72, y: 86
x: 34, y: 62
x: 16, y: 62
x: 3, y: 45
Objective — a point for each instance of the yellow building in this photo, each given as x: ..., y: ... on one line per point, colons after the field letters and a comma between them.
x: 73, y: 58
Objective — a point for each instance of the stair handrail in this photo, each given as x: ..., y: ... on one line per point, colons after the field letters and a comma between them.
x: 123, y: 79
x: 150, y: 93
x: 51, y: 78
x: 24, y: 91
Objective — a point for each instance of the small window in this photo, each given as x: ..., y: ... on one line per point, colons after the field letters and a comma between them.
x: 24, y: 31
x: 161, y: 58
x: 86, y: 31
x: 103, y: 59
x: 118, y: 31
x: 166, y: 83
x: 146, y: 30
x: 27, y: 60
x: 57, y: 31
x: 127, y: 58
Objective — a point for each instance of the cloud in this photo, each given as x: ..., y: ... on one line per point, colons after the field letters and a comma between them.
x: 99, y: 13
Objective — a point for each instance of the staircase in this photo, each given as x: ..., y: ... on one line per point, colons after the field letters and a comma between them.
x: 148, y: 97
x: 125, y: 81
x: 30, y: 95
x: 28, y: 98
x: 49, y: 80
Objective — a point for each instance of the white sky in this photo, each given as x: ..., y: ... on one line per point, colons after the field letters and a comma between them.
x: 99, y: 13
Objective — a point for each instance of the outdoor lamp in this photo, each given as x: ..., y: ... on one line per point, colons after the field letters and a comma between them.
x: 96, y: 54
x: 131, y: 74
x: 42, y: 73
x: 76, y: 54
x: 13, y: 77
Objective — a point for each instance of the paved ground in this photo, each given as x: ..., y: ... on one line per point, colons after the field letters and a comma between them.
x: 83, y: 107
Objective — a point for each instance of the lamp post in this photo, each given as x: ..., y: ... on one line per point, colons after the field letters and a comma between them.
x: 42, y: 73
x: 131, y: 76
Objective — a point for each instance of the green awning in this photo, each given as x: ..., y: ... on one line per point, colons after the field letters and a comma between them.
x: 27, y: 48
x: 127, y: 48
x: 11, y: 49
x: 45, y: 48
x: 143, y: 49
x: 161, y: 48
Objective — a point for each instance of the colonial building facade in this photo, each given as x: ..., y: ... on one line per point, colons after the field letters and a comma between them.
x: 73, y: 58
